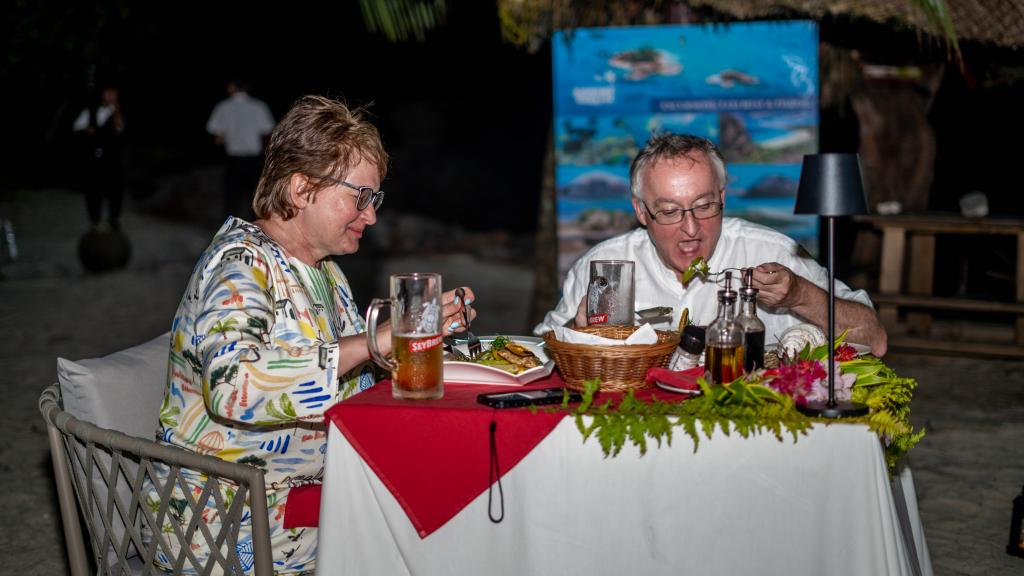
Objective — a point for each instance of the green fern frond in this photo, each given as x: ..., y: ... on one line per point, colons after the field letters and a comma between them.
x: 747, y: 408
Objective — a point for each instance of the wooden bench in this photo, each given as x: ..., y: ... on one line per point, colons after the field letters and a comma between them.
x: 917, y: 296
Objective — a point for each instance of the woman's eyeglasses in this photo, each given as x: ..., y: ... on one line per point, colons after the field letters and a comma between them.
x: 366, y: 194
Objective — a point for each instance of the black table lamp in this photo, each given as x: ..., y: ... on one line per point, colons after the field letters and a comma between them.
x: 831, y: 186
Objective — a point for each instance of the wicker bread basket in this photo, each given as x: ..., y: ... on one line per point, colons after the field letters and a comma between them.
x: 620, y: 368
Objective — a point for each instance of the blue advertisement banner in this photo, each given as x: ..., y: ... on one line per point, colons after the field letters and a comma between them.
x: 752, y: 88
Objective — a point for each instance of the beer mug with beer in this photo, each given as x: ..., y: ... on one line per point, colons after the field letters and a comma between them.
x: 417, y: 354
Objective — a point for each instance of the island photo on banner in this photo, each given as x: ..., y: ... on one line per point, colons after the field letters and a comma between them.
x: 752, y: 88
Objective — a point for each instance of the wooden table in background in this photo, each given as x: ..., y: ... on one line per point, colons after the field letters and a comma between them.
x: 918, y: 296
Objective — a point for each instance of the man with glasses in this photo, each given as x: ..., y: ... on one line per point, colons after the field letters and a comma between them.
x: 678, y: 184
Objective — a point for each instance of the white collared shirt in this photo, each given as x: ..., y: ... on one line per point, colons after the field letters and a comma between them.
x: 103, y: 113
x: 242, y: 121
x: 742, y: 244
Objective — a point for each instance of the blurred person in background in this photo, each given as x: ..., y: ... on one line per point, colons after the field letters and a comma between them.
x: 241, y: 124
x: 101, y: 127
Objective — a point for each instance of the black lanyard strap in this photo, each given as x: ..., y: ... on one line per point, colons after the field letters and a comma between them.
x: 494, y: 476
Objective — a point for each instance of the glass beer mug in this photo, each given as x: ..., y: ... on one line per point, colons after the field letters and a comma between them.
x: 417, y: 354
x: 610, y: 296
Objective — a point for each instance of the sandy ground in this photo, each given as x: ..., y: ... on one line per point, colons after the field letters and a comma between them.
x: 967, y: 470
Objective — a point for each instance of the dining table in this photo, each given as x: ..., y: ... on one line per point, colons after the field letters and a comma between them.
x: 451, y: 486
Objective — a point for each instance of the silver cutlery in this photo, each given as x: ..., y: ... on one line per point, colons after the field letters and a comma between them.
x: 452, y: 347
x: 472, y: 342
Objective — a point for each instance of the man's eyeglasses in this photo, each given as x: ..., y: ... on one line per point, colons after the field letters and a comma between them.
x: 366, y: 194
x: 701, y: 211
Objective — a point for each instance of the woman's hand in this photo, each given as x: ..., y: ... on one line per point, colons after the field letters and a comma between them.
x: 452, y: 311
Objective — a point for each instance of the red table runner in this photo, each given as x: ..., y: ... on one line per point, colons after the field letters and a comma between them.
x: 434, y: 455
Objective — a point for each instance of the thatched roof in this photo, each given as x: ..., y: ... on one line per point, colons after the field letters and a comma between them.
x: 999, y: 22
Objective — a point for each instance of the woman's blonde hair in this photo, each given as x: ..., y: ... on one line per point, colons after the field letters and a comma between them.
x: 318, y: 137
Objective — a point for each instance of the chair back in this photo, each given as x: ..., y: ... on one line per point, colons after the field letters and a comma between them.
x: 105, y: 473
x: 122, y: 391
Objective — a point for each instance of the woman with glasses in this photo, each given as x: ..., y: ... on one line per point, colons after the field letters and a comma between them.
x: 267, y: 336
x: 678, y: 184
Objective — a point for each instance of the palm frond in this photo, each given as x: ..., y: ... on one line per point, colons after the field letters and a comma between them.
x: 937, y: 12
x: 402, y: 20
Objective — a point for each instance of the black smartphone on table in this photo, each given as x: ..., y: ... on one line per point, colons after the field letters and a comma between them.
x: 534, y: 397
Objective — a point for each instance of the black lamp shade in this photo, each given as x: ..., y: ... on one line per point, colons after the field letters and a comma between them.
x: 831, y: 185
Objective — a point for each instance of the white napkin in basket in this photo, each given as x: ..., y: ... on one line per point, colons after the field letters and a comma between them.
x: 644, y: 335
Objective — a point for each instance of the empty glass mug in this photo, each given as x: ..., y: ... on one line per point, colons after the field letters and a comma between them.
x: 417, y: 363
x: 610, y: 293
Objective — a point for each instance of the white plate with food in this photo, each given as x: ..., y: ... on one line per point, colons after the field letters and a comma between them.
x: 520, y: 363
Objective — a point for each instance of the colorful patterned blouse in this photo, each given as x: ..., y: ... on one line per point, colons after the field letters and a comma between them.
x: 253, y: 367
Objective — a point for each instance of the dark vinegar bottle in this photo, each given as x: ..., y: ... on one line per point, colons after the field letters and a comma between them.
x: 753, y: 328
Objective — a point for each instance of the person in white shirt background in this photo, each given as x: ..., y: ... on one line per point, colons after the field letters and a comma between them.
x: 678, y: 184
x: 102, y: 125
x: 241, y: 124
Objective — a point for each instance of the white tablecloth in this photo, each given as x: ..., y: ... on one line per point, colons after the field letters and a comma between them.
x: 737, y: 506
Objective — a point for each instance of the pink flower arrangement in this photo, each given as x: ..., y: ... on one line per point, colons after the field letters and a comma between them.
x: 796, y: 379
x: 807, y: 380
x: 844, y: 386
x: 845, y: 353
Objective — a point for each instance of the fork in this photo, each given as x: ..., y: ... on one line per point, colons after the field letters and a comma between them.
x: 721, y: 273
x: 452, y: 347
x: 472, y: 342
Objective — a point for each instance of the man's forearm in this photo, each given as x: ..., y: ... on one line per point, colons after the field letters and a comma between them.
x: 860, y: 321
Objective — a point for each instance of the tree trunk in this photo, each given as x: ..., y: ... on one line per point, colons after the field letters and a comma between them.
x: 545, y: 262
x: 897, y: 147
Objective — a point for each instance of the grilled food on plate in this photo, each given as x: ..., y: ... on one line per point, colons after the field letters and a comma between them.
x: 505, y: 355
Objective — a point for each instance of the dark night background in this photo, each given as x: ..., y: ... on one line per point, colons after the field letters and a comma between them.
x: 464, y: 117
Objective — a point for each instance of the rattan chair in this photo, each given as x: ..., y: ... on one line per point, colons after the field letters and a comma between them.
x: 92, y: 465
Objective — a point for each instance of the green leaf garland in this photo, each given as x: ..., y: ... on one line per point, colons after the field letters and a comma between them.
x: 740, y: 407
x: 748, y: 406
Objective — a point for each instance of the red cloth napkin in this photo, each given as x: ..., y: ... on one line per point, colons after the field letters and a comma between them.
x: 685, y: 379
x: 434, y: 456
x: 302, y: 509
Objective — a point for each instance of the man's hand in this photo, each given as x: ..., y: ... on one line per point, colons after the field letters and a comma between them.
x: 581, y: 313
x: 779, y: 286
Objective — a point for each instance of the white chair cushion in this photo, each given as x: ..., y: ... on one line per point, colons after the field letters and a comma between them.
x: 122, y: 391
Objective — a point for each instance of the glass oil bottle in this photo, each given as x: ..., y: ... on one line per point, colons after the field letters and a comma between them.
x: 724, y: 340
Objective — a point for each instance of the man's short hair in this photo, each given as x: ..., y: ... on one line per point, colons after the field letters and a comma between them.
x: 668, y: 146
x: 318, y: 137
